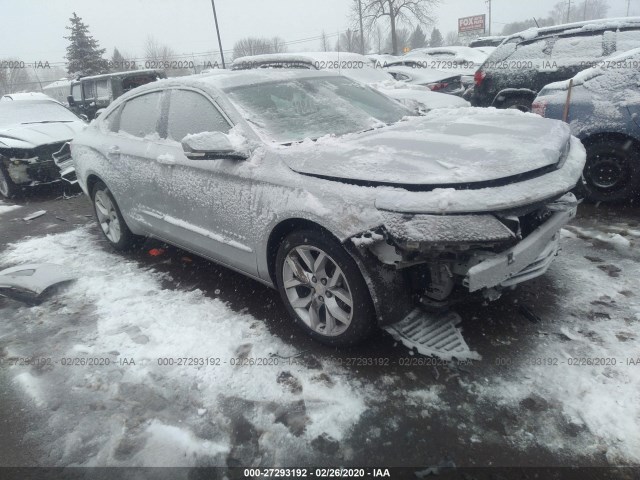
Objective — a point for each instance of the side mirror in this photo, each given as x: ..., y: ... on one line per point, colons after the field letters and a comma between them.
x: 215, y: 146
x: 70, y: 100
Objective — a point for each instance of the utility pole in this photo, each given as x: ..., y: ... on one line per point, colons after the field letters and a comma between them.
x: 215, y: 18
x: 489, y: 3
x: 628, y: 6
x: 361, y: 27
x: 568, y: 12
x: 584, y: 16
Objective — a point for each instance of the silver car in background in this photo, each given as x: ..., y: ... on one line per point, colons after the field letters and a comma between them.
x: 354, y: 208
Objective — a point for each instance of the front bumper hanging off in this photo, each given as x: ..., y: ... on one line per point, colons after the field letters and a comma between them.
x: 530, y: 258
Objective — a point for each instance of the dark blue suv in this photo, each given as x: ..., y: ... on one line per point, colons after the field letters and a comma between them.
x: 603, y: 109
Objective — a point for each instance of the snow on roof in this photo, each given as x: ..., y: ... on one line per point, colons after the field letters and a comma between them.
x: 576, y: 27
x: 303, y: 57
x: 63, y: 82
x: 120, y: 74
x: 465, y: 54
x: 26, y: 96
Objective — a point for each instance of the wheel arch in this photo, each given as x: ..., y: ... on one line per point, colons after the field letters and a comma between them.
x: 595, y: 137
x: 503, y: 95
x: 280, y: 231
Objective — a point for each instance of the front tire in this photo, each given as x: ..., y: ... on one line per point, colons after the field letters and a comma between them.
x: 110, y: 219
x: 612, y: 171
x: 323, y: 289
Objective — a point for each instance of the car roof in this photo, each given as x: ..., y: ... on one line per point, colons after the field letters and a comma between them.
x: 121, y: 74
x: 225, y: 79
x: 576, y: 27
x: 303, y: 57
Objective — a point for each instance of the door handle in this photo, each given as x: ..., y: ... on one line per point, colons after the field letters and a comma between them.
x: 113, y: 152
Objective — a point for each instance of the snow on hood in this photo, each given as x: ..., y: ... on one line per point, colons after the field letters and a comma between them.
x: 35, y: 134
x: 444, y: 147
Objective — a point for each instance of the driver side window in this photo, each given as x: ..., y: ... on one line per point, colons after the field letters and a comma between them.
x: 190, y: 112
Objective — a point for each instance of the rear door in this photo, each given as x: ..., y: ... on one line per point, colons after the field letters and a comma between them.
x: 132, y: 153
x: 209, y: 202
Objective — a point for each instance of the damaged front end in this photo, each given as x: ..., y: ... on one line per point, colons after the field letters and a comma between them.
x: 440, y: 260
x: 34, y: 166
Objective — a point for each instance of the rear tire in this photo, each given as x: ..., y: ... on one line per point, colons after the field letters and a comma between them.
x: 110, y: 219
x: 332, y: 303
x: 612, y: 171
x: 8, y: 189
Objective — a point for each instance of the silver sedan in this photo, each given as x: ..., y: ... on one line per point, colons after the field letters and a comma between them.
x: 352, y: 206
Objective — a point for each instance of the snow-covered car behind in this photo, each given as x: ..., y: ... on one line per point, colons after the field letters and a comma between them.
x: 602, y: 107
x: 462, y: 61
x: 359, y: 68
x: 26, y: 96
x: 30, y: 133
x: 353, y: 208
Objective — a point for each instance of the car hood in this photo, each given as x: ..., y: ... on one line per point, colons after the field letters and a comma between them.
x: 34, y: 134
x: 445, y: 147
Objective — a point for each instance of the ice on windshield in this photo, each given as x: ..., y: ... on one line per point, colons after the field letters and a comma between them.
x: 15, y: 113
x: 312, y: 108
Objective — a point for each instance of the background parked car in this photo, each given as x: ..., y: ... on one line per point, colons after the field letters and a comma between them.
x: 30, y: 133
x: 87, y: 95
x: 359, y: 68
x: 603, y: 110
x: 527, y: 61
x: 28, y: 96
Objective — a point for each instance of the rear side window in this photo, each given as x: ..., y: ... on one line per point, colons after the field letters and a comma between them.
x: 89, y: 90
x: 140, y: 115
x: 628, y: 40
x: 77, y: 92
x: 190, y: 112
x: 577, y: 49
x: 531, y: 54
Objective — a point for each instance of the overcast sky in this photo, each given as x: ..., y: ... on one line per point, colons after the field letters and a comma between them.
x: 33, y: 30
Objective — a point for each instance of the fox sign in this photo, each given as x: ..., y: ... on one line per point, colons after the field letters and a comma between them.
x: 472, y: 24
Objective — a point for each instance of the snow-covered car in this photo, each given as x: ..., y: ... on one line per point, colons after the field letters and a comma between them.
x: 30, y: 133
x: 435, y: 80
x: 345, y: 201
x: 527, y: 61
x: 602, y: 107
x: 487, y: 42
x: 381, y: 60
x: 359, y: 68
x: 462, y: 61
x: 28, y: 96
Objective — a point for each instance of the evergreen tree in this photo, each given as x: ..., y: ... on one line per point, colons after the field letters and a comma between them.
x: 418, y: 39
x: 436, y: 39
x: 84, y: 56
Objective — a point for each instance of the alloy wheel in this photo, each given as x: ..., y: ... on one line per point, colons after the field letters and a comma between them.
x: 107, y: 216
x: 318, y: 290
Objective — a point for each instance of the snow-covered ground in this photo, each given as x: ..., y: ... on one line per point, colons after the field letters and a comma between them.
x: 290, y: 413
x: 4, y: 208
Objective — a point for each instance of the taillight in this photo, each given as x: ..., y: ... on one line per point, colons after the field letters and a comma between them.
x: 539, y: 107
x: 479, y: 77
x: 434, y: 87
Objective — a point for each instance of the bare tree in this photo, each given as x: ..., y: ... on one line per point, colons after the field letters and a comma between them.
x: 403, y: 40
x: 154, y: 51
x: 349, y: 41
x: 452, y: 39
x: 278, y: 45
x: 585, y: 10
x: 397, y: 12
x: 14, y: 77
x: 324, y: 42
x: 252, y: 46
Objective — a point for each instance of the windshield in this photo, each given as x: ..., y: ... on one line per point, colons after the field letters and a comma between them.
x: 314, y: 107
x: 25, y: 112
